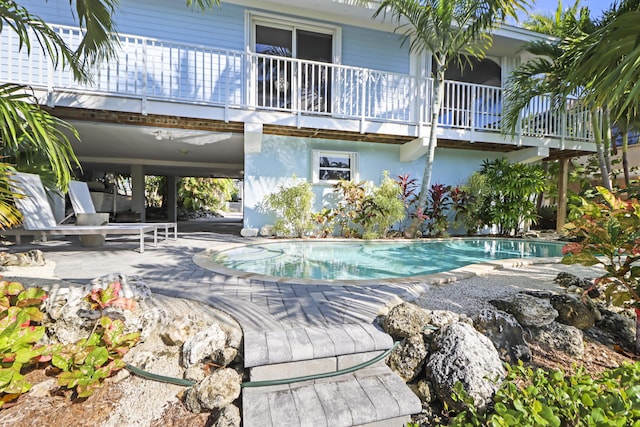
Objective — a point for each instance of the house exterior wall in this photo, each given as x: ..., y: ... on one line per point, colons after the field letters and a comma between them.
x: 224, y: 28
x: 279, y: 158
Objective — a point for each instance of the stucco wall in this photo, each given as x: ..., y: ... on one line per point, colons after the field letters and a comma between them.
x: 280, y: 158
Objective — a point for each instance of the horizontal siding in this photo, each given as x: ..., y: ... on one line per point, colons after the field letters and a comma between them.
x: 223, y: 27
x: 362, y: 47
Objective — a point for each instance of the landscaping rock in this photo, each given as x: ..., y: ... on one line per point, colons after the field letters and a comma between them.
x: 267, y: 230
x: 249, y: 232
x: 460, y: 353
x: 405, y: 320
x: 440, y: 318
x: 528, y: 310
x: 505, y: 333
x: 203, y: 345
x: 131, y: 286
x: 559, y: 337
x: 425, y: 391
x: 566, y: 280
x: 576, y: 311
x: 31, y: 258
x: 228, y: 416
x: 620, y: 326
x: 178, y: 332
x: 216, y: 391
x: 407, y: 360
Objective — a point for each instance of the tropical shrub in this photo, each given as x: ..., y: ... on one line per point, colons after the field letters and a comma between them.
x: 350, y: 209
x: 196, y: 193
x: 366, y: 210
x: 20, y: 332
x: 292, y: 207
x: 409, y: 197
x: 382, y: 208
x: 608, y: 233
x: 84, y: 364
x: 439, y: 202
x: 535, y: 397
x: 511, y: 189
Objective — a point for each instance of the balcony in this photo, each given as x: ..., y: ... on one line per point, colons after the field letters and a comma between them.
x: 149, y: 70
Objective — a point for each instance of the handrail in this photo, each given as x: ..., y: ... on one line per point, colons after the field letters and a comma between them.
x: 153, y: 69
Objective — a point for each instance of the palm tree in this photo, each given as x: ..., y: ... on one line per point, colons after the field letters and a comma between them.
x: 449, y: 30
x: 28, y: 131
x: 606, y: 62
x: 549, y: 75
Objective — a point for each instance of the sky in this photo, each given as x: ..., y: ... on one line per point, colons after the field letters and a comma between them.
x: 549, y: 6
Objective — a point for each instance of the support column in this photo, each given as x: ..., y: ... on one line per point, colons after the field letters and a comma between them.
x: 563, y: 181
x: 137, y: 190
x: 172, y: 198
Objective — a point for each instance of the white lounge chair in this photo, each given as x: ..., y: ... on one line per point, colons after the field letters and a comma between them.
x: 82, y: 204
x: 39, y: 221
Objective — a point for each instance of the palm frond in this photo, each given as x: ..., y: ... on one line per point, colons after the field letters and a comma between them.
x: 9, y: 214
x: 26, y: 129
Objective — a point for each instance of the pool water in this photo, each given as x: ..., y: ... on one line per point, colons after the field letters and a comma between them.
x: 358, y: 260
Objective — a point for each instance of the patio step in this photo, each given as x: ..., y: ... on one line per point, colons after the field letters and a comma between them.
x: 370, y: 396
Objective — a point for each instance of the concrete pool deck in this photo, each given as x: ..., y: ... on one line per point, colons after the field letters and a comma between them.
x: 286, y: 321
x: 181, y: 268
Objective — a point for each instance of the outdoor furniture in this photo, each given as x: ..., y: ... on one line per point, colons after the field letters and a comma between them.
x: 82, y: 204
x: 38, y: 218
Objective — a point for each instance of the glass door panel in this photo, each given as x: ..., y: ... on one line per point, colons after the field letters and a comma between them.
x: 274, y: 74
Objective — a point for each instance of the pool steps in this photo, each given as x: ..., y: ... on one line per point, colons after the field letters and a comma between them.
x: 371, y: 396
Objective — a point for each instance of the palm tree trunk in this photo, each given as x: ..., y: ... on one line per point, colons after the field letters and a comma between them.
x: 625, y: 159
x: 606, y: 141
x: 436, y: 99
x: 597, y: 133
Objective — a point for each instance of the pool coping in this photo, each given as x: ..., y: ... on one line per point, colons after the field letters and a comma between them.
x: 226, y: 274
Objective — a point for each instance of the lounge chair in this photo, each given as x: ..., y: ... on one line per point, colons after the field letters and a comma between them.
x: 39, y: 221
x: 82, y: 204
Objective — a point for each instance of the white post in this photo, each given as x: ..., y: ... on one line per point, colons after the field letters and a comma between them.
x: 137, y: 191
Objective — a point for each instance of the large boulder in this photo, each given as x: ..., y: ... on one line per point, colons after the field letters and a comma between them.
x: 527, y: 309
x: 576, y: 311
x: 215, y: 392
x: 405, y: 320
x: 559, y: 337
x: 505, y: 333
x: 407, y: 360
x: 204, y: 345
x: 73, y: 317
x: 462, y: 354
x: 620, y: 327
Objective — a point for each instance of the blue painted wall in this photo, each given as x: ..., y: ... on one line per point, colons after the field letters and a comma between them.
x: 281, y: 157
x: 223, y: 27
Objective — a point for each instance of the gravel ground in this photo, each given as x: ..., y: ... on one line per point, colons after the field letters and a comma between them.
x: 470, y: 296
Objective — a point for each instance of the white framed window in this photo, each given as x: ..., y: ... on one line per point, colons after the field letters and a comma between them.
x: 330, y: 167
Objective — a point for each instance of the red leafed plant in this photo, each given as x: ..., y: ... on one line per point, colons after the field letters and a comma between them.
x: 99, y: 298
x: 608, y: 233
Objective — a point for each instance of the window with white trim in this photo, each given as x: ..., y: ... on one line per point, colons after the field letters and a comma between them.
x: 331, y: 166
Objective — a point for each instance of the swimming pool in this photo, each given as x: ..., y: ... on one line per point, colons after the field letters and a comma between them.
x: 362, y: 260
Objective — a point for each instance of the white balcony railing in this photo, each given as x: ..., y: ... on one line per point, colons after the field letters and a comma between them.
x: 152, y: 69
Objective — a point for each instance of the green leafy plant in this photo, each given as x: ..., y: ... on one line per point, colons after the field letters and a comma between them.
x: 20, y: 331
x: 535, y: 397
x: 204, y: 193
x: 87, y: 363
x: 349, y: 210
x: 382, y: 208
x: 511, y: 190
x: 608, y: 233
x: 292, y: 206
